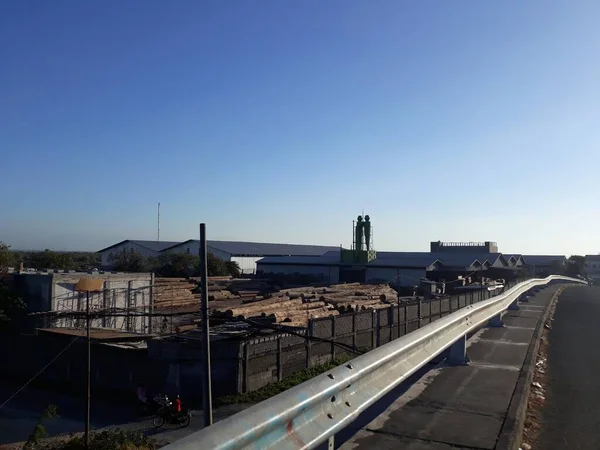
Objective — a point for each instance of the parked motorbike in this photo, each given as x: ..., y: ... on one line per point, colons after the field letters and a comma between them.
x: 167, y: 414
x: 153, y: 406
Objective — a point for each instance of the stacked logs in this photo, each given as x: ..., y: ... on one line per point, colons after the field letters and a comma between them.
x: 174, y: 293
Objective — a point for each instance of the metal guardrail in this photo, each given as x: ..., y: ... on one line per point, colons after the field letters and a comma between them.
x: 311, y: 413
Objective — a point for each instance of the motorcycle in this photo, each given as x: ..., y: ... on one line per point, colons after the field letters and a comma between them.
x: 151, y: 407
x: 166, y: 414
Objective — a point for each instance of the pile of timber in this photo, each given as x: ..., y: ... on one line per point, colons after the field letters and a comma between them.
x: 352, y: 297
x: 174, y: 293
x: 280, y: 310
x: 296, y: 306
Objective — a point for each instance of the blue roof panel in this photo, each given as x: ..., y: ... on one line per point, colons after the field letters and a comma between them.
x: 237, y: 248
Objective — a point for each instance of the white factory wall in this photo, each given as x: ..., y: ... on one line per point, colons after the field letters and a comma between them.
x: 330, y: 273
x: 117, y: 290
x: 247, y: 263
x: 405, y: 277
x: 126, y: 246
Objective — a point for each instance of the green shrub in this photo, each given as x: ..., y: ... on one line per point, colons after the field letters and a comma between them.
x: 107, y: 440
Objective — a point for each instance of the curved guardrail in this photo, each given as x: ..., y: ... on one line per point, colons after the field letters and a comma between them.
x: 312, y: 413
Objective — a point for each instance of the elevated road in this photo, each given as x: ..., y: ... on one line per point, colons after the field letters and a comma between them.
x: 463, y: 407
x: 571, y: 413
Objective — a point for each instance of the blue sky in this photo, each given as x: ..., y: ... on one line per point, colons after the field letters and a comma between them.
x: 282, y: 121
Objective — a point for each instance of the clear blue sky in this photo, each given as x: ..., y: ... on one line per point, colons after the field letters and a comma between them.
x: 281, y: 121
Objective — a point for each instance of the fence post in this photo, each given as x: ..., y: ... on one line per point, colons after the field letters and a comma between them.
x: 398, y: 326
x: 128, y: 308
x: 378, y: 325
x: 373, y: 329
x: 440, y: 306
x: 332, y: 338
x: 309, y: 335
x: 279, y: 361
x: 354, y: 329
x: 390, y: 312
x: 105, y: 305
x: 419, y: 313
x: 246, y: 364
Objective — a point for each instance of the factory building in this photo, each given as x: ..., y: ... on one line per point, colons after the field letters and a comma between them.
x: 145, y: 248
x: 544, y: 265
x: 361, y: 263
x: 247, y: 253
x: 591, y: 266
x: 463, y: 247
x: 244, y: 253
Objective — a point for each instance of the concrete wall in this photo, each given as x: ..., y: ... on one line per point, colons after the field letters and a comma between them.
x: 116, y: 370
x: 126, y: 246
x: 48, y: 291
x: 329, y: 274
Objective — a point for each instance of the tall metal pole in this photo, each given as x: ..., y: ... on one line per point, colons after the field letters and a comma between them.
x: 206, y: 387
x: 89, y: 370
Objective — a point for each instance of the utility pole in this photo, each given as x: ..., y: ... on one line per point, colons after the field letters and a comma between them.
x: 206, y: 382
x: 88, y: 285
x: 89, y: 372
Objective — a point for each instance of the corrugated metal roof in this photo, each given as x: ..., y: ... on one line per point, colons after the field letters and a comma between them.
x: 543, y: 260
x: 404, y: 259
x: 157, y: 246
x: 238, y: 248
x: 388, y: 259
x: 332, y: 257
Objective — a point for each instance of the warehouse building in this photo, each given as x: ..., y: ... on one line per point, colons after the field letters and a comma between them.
x: 396, y: 268
x: 544, y: 265
x: 247, y: 253
x: 244, y: 253
x: 145, y: 248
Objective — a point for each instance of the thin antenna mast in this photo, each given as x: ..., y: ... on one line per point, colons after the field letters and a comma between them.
x: 158, y: 230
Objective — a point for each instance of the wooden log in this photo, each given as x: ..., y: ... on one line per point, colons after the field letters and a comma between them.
x: 298, y: 315
x: 270, y: 301
x: 257, y: 307
x: 184, y: 328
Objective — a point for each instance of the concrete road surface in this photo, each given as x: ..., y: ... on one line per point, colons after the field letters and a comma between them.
x: 571, y: 413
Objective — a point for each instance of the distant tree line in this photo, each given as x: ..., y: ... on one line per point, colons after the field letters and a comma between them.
x: 48, y: 259
x: 167, y: 265
x: 172, y: 264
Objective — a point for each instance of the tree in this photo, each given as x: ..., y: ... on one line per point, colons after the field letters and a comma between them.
x: 39, y: 432
x: 12, y: 309
x: 177, y: 265
x: 49, y: 259
x: 233, y: 268
x: 216, y: 267
x: 128, y: 261
x: 575, y: 265
x: 7, y: 258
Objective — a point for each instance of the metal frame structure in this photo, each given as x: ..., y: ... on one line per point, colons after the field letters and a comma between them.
x: 311, y: 413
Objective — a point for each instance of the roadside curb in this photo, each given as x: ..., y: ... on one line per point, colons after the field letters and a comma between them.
x: 512, y: 429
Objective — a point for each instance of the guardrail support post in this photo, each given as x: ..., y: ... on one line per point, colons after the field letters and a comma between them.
x: 514, y: 306
x: 496, y: 321
x: 457, y: 356
x: 331, y: 443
